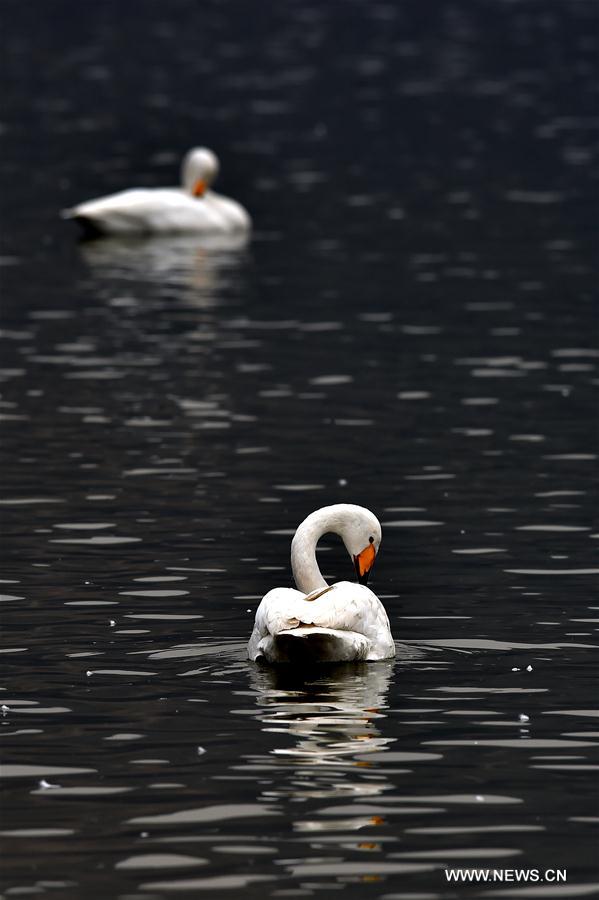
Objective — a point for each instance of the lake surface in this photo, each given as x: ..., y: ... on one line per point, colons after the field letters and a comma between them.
x: 411, y: 328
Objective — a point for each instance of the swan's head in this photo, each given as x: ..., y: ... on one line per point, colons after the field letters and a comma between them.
x: 362, y: 535
x: 198, y: 171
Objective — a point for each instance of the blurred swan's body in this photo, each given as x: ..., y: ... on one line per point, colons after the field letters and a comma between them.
x: 191, y: 208
x: 318, y: 622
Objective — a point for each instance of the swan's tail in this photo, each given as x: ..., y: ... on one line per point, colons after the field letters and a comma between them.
x: 90, y: 227
x: 313, y: 644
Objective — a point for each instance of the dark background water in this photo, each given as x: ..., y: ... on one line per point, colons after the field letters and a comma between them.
x: 411, y: 328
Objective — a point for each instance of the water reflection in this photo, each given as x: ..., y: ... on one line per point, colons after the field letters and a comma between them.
x: 332, y: 719
x: 183, y: 261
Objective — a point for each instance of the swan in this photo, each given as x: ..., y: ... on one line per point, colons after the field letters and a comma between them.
x: 321, y: 622
x: 193, y: 207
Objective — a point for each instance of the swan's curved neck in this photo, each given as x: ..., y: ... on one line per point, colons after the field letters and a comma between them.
x: 355, y: 525
x: 306, y: 573
x: 341, y: 519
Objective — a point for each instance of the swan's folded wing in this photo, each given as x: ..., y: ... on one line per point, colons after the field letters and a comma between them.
x: 354, y: 607
x: 147, y: 211
x: 276, y: 612
x: 346, y: 606
x: 232, y: 213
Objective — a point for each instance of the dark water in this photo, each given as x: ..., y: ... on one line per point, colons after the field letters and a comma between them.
x: 410, y: 328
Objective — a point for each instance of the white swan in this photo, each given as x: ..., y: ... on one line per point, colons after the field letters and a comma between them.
x: 318, y: 622
x: 193, y: 207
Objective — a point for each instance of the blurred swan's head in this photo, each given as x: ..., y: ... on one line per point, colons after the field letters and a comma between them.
x: 198, y: 171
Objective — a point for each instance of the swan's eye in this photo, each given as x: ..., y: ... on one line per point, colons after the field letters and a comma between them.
x: 371, y: 540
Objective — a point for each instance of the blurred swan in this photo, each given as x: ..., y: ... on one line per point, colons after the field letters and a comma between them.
x: 318, y: 622
x: 193, y: 207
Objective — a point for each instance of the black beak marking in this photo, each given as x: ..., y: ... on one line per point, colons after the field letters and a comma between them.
x: 362, y: 579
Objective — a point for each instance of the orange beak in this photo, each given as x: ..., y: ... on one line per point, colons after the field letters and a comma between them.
x: 364, y: 562
x: 199, y: 188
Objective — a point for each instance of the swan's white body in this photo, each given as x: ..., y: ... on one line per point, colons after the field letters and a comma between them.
x: 318, y: 623
x: 191, y: 208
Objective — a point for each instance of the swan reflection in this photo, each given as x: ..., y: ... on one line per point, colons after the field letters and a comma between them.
x: 200, y: 264
x: 334, y: 719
